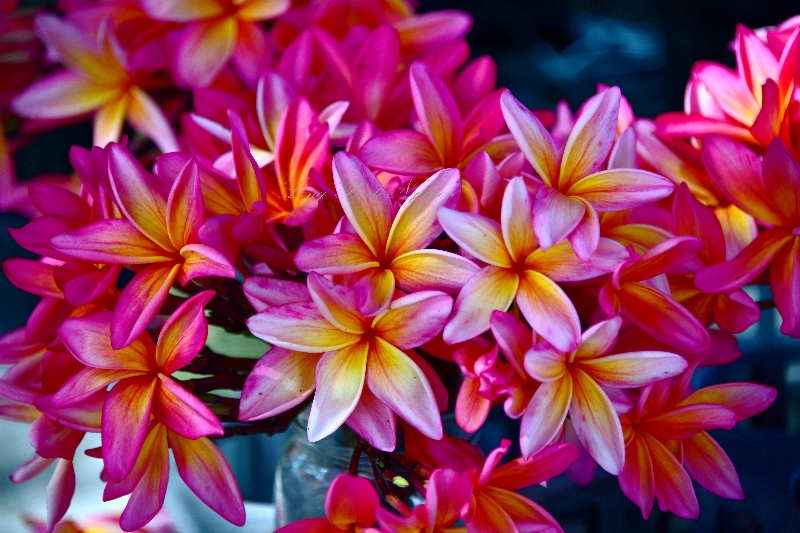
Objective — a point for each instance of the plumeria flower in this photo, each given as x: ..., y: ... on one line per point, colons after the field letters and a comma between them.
x: 640, y: 289
x: 359, y: 350
x: 519, y: 270
x: 350, y: 505
x: 443, y: 141
x: 388, y: 249
x: 201, y: 466
x: 144, y: 387
x: 216, y: 31
x: 733, y: 311
x: 666, y: 441
x: 748, y: 105
x: 97, y: 80
x: 160, y: 232
x: 574, y: 188
x: 571, y: 383
x: 770, y: 191
x: 496, y: 507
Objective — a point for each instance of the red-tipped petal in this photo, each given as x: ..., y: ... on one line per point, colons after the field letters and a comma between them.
x: 126, y: 413
x: 206, y: 472
x: 710, y: 466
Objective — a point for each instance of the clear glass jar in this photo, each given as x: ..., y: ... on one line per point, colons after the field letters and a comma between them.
x: 307, y: 469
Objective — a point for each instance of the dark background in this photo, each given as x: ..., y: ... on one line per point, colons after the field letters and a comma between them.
x: 547, y: 51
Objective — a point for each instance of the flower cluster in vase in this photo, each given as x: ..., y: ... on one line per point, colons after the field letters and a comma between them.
x: 340, y: 180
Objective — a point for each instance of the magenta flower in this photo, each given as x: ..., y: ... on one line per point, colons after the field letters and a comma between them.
x: 145, y: 388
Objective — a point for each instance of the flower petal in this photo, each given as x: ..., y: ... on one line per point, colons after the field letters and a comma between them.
x: 137, y: 197
x: 203, y: 49
x: 480, y: 236
x: 744, y: 267
x: 422, y: 270
x: 351, y: 500
x: 636, y: 479
x: 683, y: 422
x: 140, y: 301
x: 785, y: 285
x: 126, y: 414
x: 280, y: 380
x: 596, y: 423
x: 633, y: 369
x: 710, y: 466
x: 663, y: 318
x: 374, y: 421
x: 340, y: 253
x: 416, y: 226
x: 533, y: 139
x: 619, y: 189
x: 206, y: 472
x: 437, y: 112
x: 413, y: 320
x: 548, y: 463
x: 63, y: 94
x: 299, y: 326
x: 338, y: 304
x: 555, y: 216
x: 491, y: 289
x: 340, y: 379
x: 545, y: 415
x: 560, y: 263
x: 88, y: 338
x: 549, y: 311
x: 744, y: 399
x: 182, y: 412
x: 112, y: 241
x: 364, y: 201
x: 146, y: 117
x: 545, y: 363
x: 399, y: 383
x: 736, y: 170
x: 516, y: 220
x: 673, y: 486
x: 409, y: 153
x: 591, y: 138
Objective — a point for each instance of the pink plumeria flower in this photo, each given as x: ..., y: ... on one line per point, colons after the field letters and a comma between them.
x: 142, y: 369
x: 201, y: 466
x: 216, y: 31
x: 571, y: 383
x: 388, y: 249
x: 733, y: 311
x: 496, y: 507
x: 97, y: 80
x: 666, y: 441
x: 640, y: 289
x: 769, y: 190
x: 160, y: 232
x: 519, y: 270
x: 359, y: 350
x: 748, y: 105
x: 574, y: 188
x: 445, y: 141
x: 350, y: 505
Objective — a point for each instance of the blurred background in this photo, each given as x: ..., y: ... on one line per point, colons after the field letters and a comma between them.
x: 545, y: 52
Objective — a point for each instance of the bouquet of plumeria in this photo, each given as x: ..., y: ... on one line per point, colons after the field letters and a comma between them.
x: 340, y: 180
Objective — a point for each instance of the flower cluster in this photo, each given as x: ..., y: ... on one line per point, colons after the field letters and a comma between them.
x: 337, y: 178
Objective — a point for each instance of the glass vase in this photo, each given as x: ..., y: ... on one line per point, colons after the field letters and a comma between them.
x: 307, y: 469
